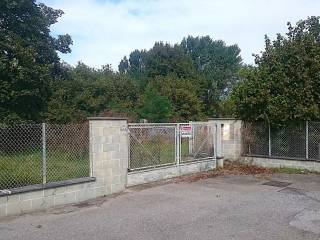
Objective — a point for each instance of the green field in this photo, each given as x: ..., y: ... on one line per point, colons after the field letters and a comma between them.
x: 23, y: 169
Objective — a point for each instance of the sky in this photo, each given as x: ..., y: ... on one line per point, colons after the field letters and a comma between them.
x: 104, y: 31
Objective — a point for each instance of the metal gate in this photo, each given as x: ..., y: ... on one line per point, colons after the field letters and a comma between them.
x: 160, y: 144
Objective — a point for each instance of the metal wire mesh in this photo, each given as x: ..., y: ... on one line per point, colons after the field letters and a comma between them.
x: 36, y: 154
x: 20, y: 155
x: 67, y: 152
x: 314, y: 140
x: 255, y: 138
x: 289, y: 141
x: 296, y: 140
x: 152, y: 145
x: 200, y: 145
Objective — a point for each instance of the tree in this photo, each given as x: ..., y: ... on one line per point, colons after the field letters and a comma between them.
x: 218, y: 64
x: 28, y: 58
x: 154, y: 107
x: 134, y: 67
x: 124, y: 65
x: 182, y: 94
x: 164, y: 59
x: 208, y: 68
x: 284, y: 86
x: 161, y: 60
x: 86, y: 91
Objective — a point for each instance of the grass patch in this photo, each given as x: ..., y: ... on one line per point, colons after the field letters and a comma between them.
x: 151, y: 154
x: 154, y: 153
x: 293, y: 171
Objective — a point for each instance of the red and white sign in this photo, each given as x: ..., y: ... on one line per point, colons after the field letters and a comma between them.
x: 186, y: 131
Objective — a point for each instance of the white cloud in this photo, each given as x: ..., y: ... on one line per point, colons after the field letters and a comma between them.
x: 104, y: 31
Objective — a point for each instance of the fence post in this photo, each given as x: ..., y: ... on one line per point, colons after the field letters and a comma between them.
x: 191, y: 139
x: 307, y: 139
x: 178, y: 142
x: 219, y: 139
x: 269, y: 140
x: 44, y: 155
x: 215, y: 139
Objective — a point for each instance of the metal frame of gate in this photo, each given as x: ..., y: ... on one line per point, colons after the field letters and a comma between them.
x: 153, y: 145
x: 201, y: 146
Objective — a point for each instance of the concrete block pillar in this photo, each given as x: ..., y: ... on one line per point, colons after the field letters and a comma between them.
x: 228, y: 143
x: 237, y: 138
x: 109, y: 153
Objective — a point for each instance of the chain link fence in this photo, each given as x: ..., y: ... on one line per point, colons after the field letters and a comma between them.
x: 289, y: 141
x: 155, y: 145
x: 314, y: 140
x: 43, y: 153
x: 151, y: 145
x: 296, y: 140
x: 200, y: 145
x: 255, y: 138
x: 67, y: 152
x: 20, y: 155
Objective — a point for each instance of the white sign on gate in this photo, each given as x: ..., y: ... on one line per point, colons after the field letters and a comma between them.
x: 186, y: 131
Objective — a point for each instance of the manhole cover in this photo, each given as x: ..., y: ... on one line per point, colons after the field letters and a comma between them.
x: 277, y: 184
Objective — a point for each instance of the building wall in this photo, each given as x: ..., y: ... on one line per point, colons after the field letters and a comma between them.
x: 109, y: 160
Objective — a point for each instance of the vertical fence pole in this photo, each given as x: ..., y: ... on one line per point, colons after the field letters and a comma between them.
x: 178, y: 142
x: 44, y: 155
x: 191, y: 139
x: 215, y: 139
x: 307, y: 139
x: 219, y: 139
x: 269, y: 130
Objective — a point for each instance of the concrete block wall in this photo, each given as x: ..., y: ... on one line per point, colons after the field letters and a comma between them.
x: 269, y: 162
x: 157, y: 174
x: 109, y: 163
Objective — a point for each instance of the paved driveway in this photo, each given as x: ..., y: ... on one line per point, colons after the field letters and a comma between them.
x: 224, y: 207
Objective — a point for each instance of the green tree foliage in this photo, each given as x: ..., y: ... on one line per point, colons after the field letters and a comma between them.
x: 161, y: 60
x: 218, y: 64
x: 209, y: 67
x: 164, y: 59
x: 135, y: 67
x: 182, y: 94
x: 285, y: 84
x: 190, y: 78
x: 85, y: 92
x: 28, y: 58
x: 154, y: 107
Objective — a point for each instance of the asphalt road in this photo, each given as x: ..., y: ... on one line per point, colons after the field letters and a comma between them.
x: 225, y: 207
